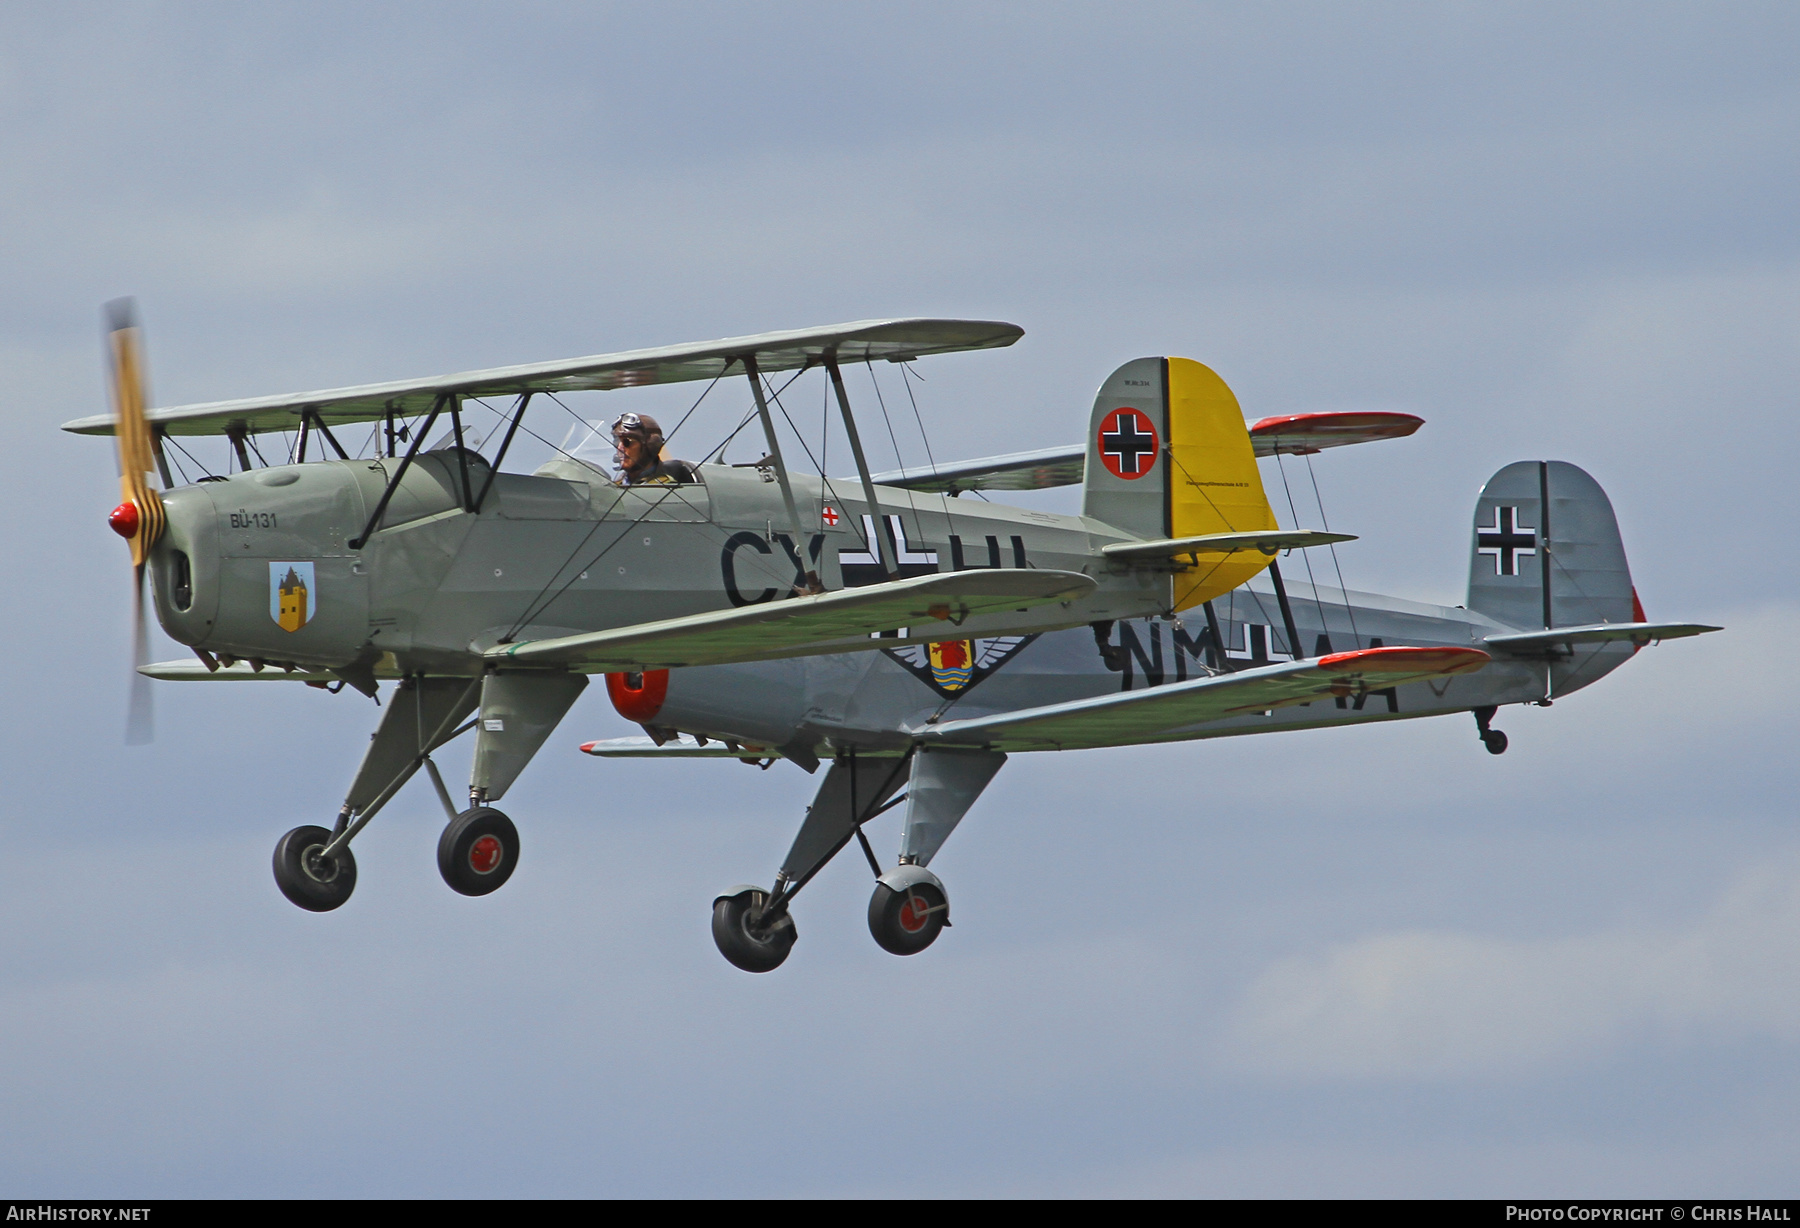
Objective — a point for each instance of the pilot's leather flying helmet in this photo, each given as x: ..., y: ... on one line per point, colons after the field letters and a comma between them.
x: 644, y: 429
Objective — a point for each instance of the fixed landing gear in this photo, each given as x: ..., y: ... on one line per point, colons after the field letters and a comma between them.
x: 908, y: 910
x: 910, y: 907
x: 480, y: 847
x: 1493, y: 739
x: 308, y: 878
x: 747, y: 936
x: 478, y: 851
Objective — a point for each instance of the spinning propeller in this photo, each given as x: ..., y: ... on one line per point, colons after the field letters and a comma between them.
x: 139, y: 518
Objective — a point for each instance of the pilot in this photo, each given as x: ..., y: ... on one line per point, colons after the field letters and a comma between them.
x: 638, y: 445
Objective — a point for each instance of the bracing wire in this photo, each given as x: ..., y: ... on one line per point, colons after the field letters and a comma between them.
x: 824, y: 482
x: 202, y: 468
x: 537, y: 605
x: 1306, y: 555
x: 898, y: 459
x: 930, y: 458
x: 1356, y: 641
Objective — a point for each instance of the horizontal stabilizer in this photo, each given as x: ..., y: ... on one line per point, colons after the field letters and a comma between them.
x: 1037, y: 470
x: 195, y: 671
x: 861, y: 341
x: 1269, y: 541
x: 675, y: 748
x: 803, y: 626
x: 1536, y: 642
x: 1167, y: 712
x: 1304, y: 434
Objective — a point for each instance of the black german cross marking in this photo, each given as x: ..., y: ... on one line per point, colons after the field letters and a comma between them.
x: 1505, y: 540
x: 1127, y: 441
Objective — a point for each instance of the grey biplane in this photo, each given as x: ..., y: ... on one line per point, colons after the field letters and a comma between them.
x: 880, y: 627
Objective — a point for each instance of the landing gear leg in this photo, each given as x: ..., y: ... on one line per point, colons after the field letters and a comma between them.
x: 751, y: 926
x: 314, y: 867
x: 1493, y: 739
x: 480, y: 848
x: 910, y: 907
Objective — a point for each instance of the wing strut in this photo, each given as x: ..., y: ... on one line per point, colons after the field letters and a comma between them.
x: 781, y: 473
x: 880, y: 547
x: 462, y: 453
x: 512, y: 428
x: 1287, y: 612
x: 356, y: 543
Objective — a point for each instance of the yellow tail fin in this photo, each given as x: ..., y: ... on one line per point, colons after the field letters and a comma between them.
x: 1169, y: 456
x: 1214, y: 485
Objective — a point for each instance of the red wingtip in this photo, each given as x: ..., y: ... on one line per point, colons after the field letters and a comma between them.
x: 589, y: 746
x: 1404, y: 660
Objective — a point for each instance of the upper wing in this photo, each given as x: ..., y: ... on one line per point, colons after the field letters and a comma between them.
x: 1531, y: 643
x: 1295, y: 434
x: 1150, y: 715
x: 800, y: 626
x: 861, y: 341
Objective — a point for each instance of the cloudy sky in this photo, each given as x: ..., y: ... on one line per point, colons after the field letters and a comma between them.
x: 1373, y: 961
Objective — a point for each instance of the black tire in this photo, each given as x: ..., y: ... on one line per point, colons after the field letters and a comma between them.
x: 478, y: 851
x: 906, y: 922
x: 1495, y: 741
x: 315, y: 885
x: 752, y: 947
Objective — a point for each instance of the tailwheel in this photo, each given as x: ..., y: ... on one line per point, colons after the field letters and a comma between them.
x: 748, y: 939
x: 908, y: 911
x: 478, y: 851
x: 1492, y: 738
x: 308, y: 879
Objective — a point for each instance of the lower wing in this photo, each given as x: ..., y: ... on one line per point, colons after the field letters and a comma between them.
x: 1142, y: 716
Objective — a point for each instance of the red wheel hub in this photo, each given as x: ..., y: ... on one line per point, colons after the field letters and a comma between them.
x: 485, y: 854
x: 913, y: 914
x: 124, y: 519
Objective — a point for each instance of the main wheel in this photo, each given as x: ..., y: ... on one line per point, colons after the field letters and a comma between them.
x: 309, y: 880
x: 740, y: 937
x: 1495, y: 741
x: 478, y: 851
x: 906, y: 922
